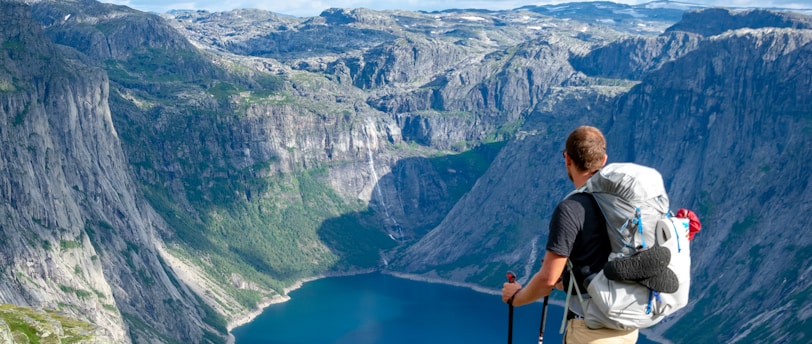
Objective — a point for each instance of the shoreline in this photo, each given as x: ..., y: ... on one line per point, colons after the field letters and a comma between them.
x: 250, y: 316
x: 649, y: 333
x: 420, y: 278
x: 474, y: 287
x: 246, y: 318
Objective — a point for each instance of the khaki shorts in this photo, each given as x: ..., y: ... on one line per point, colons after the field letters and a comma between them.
x: 578, y: 333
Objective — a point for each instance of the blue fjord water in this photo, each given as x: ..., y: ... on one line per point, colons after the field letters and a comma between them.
x: 382, y: 309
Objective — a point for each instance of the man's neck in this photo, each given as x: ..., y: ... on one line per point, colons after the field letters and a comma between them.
x: 579, y: 179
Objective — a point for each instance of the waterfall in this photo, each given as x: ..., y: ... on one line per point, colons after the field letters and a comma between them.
x: 375, y: 180
x: 528, y: 268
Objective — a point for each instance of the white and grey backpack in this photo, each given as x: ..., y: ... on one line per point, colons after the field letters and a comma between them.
x: 643, y: 234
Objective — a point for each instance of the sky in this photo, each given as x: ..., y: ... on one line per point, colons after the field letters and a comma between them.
x: 310, y: 8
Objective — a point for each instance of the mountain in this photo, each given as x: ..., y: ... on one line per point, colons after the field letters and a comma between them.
x: 746, y: 146
x: 203, y: 163
x: 77, y: 237
x: 726, y: 120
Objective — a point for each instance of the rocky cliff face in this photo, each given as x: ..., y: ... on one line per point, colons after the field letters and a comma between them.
x: 435, y: 73
x: 632, y: 59
x: 715, y: 21
x: 77, y: 238
x: 206, y: 163
x: 726, y: 121
x: 740, y: 107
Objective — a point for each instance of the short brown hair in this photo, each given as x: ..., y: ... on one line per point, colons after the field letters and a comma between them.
x: 586, y: 146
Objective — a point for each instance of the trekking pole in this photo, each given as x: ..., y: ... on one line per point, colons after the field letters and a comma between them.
x: 511, y: 277
x: 543, y: 316
x: 543, y: 319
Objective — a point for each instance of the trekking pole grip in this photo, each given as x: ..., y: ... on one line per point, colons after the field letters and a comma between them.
x: 511, y: 277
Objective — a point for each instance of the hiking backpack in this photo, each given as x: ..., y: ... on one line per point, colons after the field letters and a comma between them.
x: 635, y: 205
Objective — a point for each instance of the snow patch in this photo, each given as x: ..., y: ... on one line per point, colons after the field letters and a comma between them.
x: 473, y: 18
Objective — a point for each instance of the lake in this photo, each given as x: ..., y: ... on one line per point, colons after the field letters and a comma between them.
x: 383, y: 309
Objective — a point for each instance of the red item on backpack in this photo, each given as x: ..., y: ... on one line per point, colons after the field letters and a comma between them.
x: 695, y: 225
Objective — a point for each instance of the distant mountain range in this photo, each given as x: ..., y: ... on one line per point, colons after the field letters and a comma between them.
x: 201, y: 164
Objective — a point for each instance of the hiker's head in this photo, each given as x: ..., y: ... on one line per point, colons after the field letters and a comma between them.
x: 586, y: 149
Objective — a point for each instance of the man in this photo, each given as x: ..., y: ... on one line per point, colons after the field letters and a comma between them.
x: 577, y: 233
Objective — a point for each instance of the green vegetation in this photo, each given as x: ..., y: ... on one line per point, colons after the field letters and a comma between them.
x: 140, y: 329
x: 7, y: 86
x: 213, y: 338
x: 268, y: 84
x: 14, y: 45
x: 505, y: 132
x: 268, y: 227
x: 462, y: 170
x: 709, y: 317
x: 212, y: 318
x: 741, y: 229
x: 600, y: 81
x: 703, y: 321
x: 712, y: 314
x: 28, y: 325
x: 358, y: 242
x: 106, y: 225
x: 65, y: 245
x: 165, y: 65
x: 39, y: 222
x: 222, y: 91
x: 92, y: 236
x: 706, y: 204
x: 275, y: 229
x: 99, y: 294
x: 273, y: 240
x: 163, y: 76
x: 82, y: 294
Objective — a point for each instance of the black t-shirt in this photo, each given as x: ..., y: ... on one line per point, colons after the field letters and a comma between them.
x: 578, y: 231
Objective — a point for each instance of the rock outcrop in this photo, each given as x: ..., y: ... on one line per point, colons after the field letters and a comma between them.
x: 77, y: 236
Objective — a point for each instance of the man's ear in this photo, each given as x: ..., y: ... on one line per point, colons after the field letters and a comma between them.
x: 605, y: 159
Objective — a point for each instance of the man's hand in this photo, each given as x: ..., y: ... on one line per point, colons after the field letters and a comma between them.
x: 509, y: 289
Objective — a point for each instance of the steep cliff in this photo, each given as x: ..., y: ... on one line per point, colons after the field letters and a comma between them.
x: 738, y: 111
x: 635, y: 57
x: 715, y: 21
x: 77, y: 237
x: 237, y: 177
x: 727, y: 122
